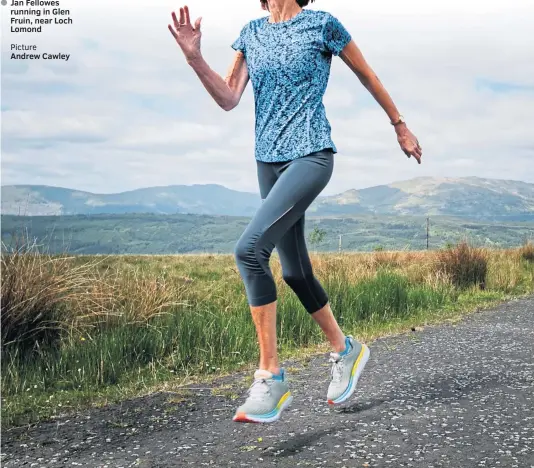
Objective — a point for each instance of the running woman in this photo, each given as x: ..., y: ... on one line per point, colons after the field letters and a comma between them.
x: 287, y: 57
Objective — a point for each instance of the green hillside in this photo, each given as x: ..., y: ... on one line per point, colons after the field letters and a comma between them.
x: 168, y: 234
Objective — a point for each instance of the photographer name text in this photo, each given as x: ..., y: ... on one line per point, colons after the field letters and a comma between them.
x: 29, y: 53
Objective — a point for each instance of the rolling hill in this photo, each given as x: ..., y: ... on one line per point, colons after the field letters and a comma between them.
x: 469, y: 197
x: 41, y: 200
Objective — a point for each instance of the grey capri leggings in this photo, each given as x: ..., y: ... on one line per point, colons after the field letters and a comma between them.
x: 287, y: 190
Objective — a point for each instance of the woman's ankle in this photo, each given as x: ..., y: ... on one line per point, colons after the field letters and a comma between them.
x: 341, y: 345
x: 275, y: 370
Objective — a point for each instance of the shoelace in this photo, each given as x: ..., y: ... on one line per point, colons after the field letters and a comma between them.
x: 337, y: 366
x: 259, y: 389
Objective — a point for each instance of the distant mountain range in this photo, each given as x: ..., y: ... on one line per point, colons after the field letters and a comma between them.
x: 470, y: 197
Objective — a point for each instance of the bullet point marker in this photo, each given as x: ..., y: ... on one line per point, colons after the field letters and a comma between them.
x: 4, y: 2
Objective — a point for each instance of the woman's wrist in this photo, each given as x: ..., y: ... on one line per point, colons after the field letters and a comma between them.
x: 195, y: 60
x: 400, y: 128
x: 397, y: 120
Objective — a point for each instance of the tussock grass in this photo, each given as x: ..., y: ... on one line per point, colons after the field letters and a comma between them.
x: 465, y: 265
x: 77, y: 328
x: 43, y: 297
x: 527, y: 251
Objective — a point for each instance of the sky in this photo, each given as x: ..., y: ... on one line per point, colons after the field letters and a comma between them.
x: 126, y: 111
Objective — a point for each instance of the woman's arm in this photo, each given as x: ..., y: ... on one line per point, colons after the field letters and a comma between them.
x: 226, y: 92
x: 354, y: 59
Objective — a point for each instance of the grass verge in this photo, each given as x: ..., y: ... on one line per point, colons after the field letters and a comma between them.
x: 158, y: 323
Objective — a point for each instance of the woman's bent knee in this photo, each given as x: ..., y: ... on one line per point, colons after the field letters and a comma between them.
x: 295, y: 281
x: 245, y: 252
x: 241, y: 251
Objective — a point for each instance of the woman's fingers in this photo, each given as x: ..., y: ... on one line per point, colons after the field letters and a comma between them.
x: 197, y: 24
x: 187, y: 18
x: 175, y: 21
x: 417, y: 153
x: 173, y: 32
x: 419, y: 149
x: 410, y: 146
x: 183, y: 21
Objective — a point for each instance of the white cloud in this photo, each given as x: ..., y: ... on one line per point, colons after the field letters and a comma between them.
x: 171, y: 135
x: 31, y: 126
x: 127, y: 112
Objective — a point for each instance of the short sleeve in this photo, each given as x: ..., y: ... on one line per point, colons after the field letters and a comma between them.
x: 335, y: 36
x: 240, y: 43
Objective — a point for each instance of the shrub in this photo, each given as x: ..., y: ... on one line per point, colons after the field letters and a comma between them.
x: 47, y: 296
x: 35, y: 293
x: 465, y: 265
x: 527, y: 251
x: 384, y: 259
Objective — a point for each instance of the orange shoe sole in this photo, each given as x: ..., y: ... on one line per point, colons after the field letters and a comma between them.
x: 242, y: 418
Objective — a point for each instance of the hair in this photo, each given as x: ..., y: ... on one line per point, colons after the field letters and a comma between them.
x: 301, y: 3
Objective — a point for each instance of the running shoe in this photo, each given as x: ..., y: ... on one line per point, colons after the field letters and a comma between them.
x: 268, y: 396
x: 346, y: 369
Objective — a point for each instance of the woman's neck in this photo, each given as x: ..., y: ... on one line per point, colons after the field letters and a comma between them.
x: 283, y: 10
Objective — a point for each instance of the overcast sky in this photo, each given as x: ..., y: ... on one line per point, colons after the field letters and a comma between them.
x: 127, y: 112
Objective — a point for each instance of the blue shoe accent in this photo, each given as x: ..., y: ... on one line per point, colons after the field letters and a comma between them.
x: 348, y: 347
x: 346, y: 392
x: 280, y: 376
x: 269, y: 415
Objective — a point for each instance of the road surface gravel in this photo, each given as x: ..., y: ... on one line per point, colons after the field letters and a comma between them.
x: 452, y: 395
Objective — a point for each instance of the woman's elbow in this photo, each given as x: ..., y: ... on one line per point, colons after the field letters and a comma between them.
x: 229, y: 105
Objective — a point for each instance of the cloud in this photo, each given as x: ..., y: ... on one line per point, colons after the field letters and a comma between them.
x: 173, y: 136
x: 127, y: 112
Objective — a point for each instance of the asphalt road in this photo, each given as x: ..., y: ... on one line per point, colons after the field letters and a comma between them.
x: 457, y: 395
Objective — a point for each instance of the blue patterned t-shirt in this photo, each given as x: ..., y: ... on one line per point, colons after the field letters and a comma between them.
x: 289, y: 67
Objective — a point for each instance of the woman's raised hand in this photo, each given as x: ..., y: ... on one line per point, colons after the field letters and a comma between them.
x: 186, y: 35
x: 409, y: 143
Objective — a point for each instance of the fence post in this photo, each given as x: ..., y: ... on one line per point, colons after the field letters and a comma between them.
x: 427, y: 231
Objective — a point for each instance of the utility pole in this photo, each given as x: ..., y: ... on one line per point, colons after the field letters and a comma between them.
x: 427, y: 231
